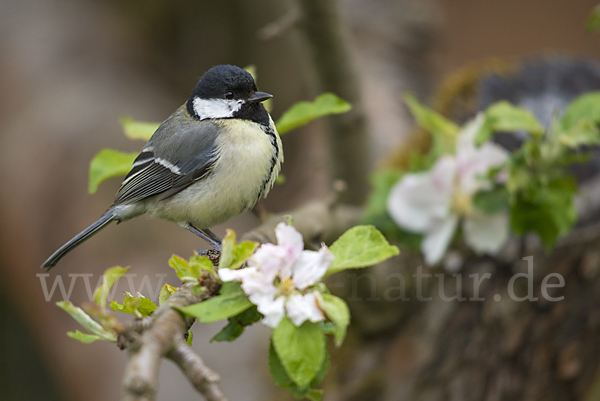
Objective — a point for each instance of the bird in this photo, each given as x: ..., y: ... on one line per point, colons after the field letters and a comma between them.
x: 212, y: 159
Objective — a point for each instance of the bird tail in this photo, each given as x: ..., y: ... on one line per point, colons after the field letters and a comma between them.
x: 79, y: 239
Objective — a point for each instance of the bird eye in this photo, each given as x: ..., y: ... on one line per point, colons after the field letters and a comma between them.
x: 228, y: 95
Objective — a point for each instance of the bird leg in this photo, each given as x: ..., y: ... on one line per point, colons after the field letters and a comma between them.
x: 206, y: 235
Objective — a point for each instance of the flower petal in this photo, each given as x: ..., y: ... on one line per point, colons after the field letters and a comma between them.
x: 232, y: 275
x: 438, y: 238
x: 289, y: 238
x: 272, y: 311
x: 420, y: 198
x: 310, y: 267
x: 473, y: 163
x: 300, y: 308
x: 273, y: 260
x: 257, y: 285
x: 486, y: 233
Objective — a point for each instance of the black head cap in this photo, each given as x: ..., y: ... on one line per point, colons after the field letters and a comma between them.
x: 229, y: 82
x: 219, y: 80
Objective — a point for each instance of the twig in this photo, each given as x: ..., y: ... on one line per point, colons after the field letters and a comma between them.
x: 318, y: 221
x: 205, y: 380
x: 279, y: 26
x: 158, y: 340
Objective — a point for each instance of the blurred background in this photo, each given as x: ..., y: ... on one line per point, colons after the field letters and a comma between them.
x: 70, y: 69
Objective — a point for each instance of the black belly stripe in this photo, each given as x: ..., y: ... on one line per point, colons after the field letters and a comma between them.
x: 274, y: 159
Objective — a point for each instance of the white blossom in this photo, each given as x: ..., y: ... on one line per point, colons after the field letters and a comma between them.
x: 278, y: 278
x: 434, y: 202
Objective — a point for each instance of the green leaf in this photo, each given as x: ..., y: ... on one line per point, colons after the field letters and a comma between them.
x: 86, y: 321
x: 138, y: 129
x: 337, y: 311
x: 593, y: 22
x: 493, y: 201
x: 109, y: 278
x: 231, y: 287
x: 197, y: 264
x: 303, y: 112
x: 301, y: 350
x: 191, y: 271
x: 283, y: 380
x: 314, y: 395
x: 180, y: 265
x: 165, y: 293
x: 505, y: 117
x: 584, y: 108
x: 218, y: 308
x: 360, y: 246
x: 585, y: 133
x: 137, y: 306
x: 109, y: 163
x: 235, y: 255
x: 83, y: 337
x: 277, y: 370
x: 444, y: 131
x: 236, y: 325
x: 550, y: 211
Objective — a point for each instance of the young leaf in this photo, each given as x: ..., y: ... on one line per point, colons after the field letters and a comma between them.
x: 109, y: 278
x: 505, y: 117
x: 277, y: 370
x: 83, y: 337
x: 550, y: 212
x: 236, y: 325
x: 138, y: 129
x: 585, y: 133
x: 86, y: 321
x: 303, y: 112
x: 137, y: 306
x: 337, y: 311
x: 301, y: 350
x: 218, y: 308
x: 180, y: 265
x: 165, y: 293
x: 584, y: 108
x: 283, y: 380
x: 109, y: 163
x: 314, y: 395
x: 231, y: 287
x: 493, y: 201
x: 360, y: 246
x: 197, y: 264
x: 443, y: 130
x: 234, y: 255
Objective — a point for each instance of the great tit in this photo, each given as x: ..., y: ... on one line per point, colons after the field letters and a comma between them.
x: 212, y: 159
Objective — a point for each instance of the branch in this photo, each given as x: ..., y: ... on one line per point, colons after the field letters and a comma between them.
x: 279, y: 26
x: 148, y: 342
x: 347, y: 133
x: 205, y: 380
x: 317, y: 221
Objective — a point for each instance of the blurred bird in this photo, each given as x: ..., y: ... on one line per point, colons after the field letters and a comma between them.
x: 212, y: 159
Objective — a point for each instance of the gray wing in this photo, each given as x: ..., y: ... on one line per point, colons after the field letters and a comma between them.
x: 170, y: 162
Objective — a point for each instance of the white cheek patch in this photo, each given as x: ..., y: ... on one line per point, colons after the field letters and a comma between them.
x: 216, y: 108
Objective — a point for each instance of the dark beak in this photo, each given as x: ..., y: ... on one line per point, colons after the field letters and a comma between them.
x: 259, y: 97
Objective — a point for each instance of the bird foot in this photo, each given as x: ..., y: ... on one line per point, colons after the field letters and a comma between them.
x: 212, y: 254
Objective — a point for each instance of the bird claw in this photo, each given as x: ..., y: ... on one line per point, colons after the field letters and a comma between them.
x: 211, y: 254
